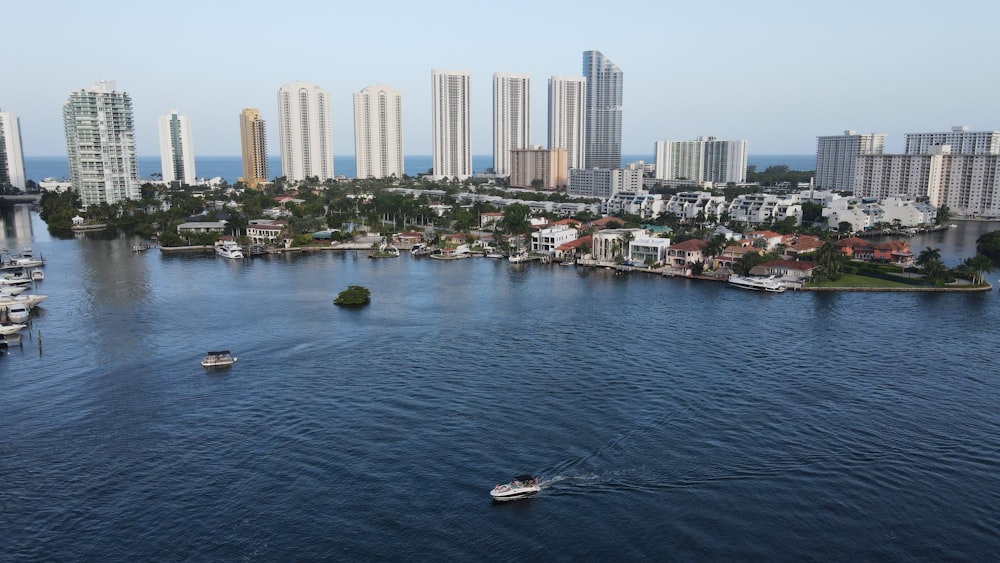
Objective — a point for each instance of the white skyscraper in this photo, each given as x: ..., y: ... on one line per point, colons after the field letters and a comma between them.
x: 378, y: 132
x: 705, y: 159
x: 960, y: 139
x: 304, y: 128
x: 451, y: 124
x: 567, y: 118
x: 176, y: 148
x: 836, y: 157
x: 603, y: 110
x: 511, y: 117
x: 11, y: 155
x: 100, y: 144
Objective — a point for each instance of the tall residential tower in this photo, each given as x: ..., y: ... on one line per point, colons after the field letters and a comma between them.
x: 176, y: 148
x: 253, y: 142
x: 378, y: 132
x: 567, y: 119
x: 836, y: 158
x: 304, y: 129
x: 100, y: 144
x: 603, y: 137
x: 705, y: 159
x: 511, y: 117
x: 451, y: 124
x: 11, y: 155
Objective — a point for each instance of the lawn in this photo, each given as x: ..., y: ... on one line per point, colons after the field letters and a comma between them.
x: 854, y: 280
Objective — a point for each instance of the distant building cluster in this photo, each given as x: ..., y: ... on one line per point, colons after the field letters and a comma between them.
x: 959, y: 169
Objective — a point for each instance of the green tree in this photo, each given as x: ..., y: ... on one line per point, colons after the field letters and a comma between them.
x: 989, y: 245
x: 977, y: 267
x: 830, y: 261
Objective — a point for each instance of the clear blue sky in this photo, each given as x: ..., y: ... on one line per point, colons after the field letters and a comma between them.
x: 776, y: 73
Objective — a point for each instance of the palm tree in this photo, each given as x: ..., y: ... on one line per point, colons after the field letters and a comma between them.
x: 977, y: 267
x: 928, y: 255
x: 830, y: 260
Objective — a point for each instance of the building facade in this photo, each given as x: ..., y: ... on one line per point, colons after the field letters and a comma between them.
x: 305, y: 133
x: 11, y: 153
x: 100, y: 144
x: 451, y: 124
x: 567, y: 118
x: 603, y: 109
x: 603, y: 183
x: 378, y: 132
x: 706, y: 159
x: 176, y: 149
x: 836, y: 157
x: 538, y: 168
x: 960, y: 139
x: 511, y: 117
x: 253, y: 142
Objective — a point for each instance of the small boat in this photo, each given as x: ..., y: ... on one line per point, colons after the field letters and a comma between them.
x: 768, y: 283
x: 523, y: 486
x: 37, y: 275
x: 218, y: 359
x: 6, y: 330
x: 18, y: 312
x: 229, y: 249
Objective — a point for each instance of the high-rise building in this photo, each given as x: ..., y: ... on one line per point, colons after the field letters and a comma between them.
x: 836, y: 157
x: 451, y: 124
x: 304, y: 128
x: 100, y: 144
x: 11, y: 155
x: 567, y: 119
x: 603, y: 136
x: 538, y: 168
x: 253, y: 142
x: 705, y: 159
x: 378, y: 132
x: 511, y: 117
x: 176, y: 148
x: 960, y: 139
x: 603, y: 182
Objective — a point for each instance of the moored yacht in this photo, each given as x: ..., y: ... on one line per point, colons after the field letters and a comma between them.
x: 229, y: 249
x: 769, y: 283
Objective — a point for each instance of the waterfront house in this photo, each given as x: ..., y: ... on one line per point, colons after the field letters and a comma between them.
x: 797, y: 245
x: 266, y: 233
x: 731, y: 254
x: 788, y: 270
x: 574, y: 248
x: 651, y: 250
x: 681, y: 256
x: 894, y: 252
x: 198, y: 227
x: 609, y: 244
x: 547, y: 240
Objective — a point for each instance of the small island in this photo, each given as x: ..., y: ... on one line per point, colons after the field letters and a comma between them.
x: 353, y: 296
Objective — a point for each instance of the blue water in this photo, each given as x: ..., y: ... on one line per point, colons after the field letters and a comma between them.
x: 229, y: 167
x: 668, y: 419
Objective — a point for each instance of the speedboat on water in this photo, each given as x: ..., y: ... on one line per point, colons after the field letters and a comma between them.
x: 218, y: 359
x: 523, y: 486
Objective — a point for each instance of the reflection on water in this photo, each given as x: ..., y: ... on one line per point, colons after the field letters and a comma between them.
x: 15, y: 226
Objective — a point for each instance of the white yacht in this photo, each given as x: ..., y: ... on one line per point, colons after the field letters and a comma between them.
x: 769, y: 283
x: 218, y: 359
x: 18, y: 312
x: 229, y: 249
x: 6, y: 330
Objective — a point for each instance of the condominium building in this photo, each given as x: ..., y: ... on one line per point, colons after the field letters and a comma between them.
x: 100, y: 144
x: 567, y: 118
x: 705, y: 159
x: 836, y: 156
x: 968, y: 184
x: 603, y: 182
x: 253, y: 142
x: 960, y: 139
x: 176, y: 148
x: 603, y: 103
x: 451, y: 124
x: 378, y: 132
x: 11, y: 155
x: 304, y: 130
x: 538, y: 168
x: 511, y: 117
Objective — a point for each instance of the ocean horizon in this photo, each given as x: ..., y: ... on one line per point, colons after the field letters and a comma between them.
x: 229, y: 168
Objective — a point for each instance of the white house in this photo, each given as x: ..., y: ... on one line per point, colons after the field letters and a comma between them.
x: 547, y: 240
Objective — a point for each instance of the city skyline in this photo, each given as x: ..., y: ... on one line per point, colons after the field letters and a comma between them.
x: 760, y: 73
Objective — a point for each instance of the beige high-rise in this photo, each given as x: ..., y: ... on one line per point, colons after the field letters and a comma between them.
x: 253, y: 141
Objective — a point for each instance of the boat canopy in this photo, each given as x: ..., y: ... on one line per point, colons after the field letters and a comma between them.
x: 219, y: 353
x: 524, y: 478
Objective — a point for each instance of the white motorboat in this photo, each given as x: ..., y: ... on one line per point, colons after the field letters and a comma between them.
x: 37, y: 275
x: 769, y: 283
x: 6, y: 299
x: 11, y: 329
x: 15, y: 279
x: 523, y: 486
x: 229, y: 249
x: 218, y: 359
x: 18, y: 312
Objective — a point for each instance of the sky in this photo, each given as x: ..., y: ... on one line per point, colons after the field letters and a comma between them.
x: 775, y: 73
